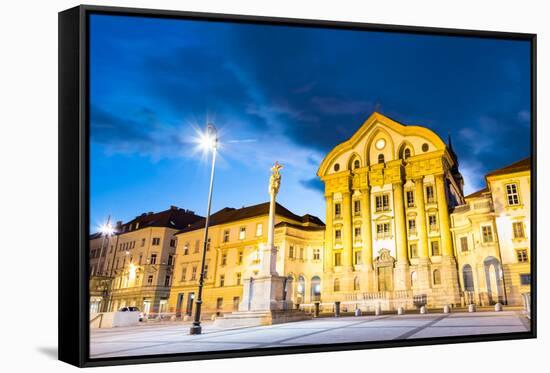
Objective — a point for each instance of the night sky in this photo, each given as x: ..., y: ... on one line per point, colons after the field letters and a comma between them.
x: 282, y: 93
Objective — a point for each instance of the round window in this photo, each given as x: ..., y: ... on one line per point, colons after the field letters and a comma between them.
x: 380, y: 143
x: 425, y: 147
x: 336, y: 167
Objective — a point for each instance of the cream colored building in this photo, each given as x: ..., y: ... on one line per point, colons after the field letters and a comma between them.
x: 236, y: 240
x: 492, y: 240
x: 139, y: 259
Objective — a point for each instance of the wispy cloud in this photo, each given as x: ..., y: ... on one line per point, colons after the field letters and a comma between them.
x: 336, y: 105
x: 474, y: 176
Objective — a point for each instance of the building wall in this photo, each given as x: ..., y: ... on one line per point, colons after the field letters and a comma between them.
x: 506, y: 215
x: 385, y: 158
x: 141, y: 264
x: 496, y: 266
x: 223, y: 261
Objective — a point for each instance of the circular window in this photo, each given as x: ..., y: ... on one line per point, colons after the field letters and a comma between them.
x: 336, y: 167
x: 380, y: 143
x: 425, y: 147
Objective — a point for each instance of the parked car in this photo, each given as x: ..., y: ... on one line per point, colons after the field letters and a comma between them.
x: 132, y: 309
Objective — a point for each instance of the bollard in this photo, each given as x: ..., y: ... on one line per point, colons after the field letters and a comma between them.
x: 472, y: 308
x: 316, y: 311
x: 446, y: 309
x: 337, y: 309
x: 377, y: 310
x: 498, y: 307
x: 423, y: 310
x: 400, y: 310
x: 357, y: 312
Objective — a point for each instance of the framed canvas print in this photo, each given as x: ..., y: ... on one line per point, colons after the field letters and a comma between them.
x: 236, y: 186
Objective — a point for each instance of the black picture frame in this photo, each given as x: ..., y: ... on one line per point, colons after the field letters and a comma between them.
x: 74, y: 185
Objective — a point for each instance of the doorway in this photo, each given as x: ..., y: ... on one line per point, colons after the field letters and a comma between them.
x: 385, y: 278
x: 179, y: 304
x: 146, y: 306
x: 190, y: 299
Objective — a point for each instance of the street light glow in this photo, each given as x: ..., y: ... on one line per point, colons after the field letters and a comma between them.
x: 207, y: 140
x: 106, y: 229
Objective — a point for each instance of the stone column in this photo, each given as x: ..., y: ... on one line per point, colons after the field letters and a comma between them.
x: 329, y: 233
x: 347, y: 237
x: 402, y: 264
x: 421, y: 218
x: 443, y: 210
x: 367, y: 236
x: 423, y: 278
x: 400, y: 228
x: 367, y: 223
x: 449, y: 272
x: 269, y: 260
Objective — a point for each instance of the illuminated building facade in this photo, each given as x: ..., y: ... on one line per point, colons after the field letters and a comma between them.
x: 492, y: 237
x: 399, y: 232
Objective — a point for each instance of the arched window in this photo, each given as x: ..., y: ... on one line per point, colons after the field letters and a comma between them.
x: 336, y: 284
x: 301, y: 288
x: 437, y: 277
x: 356, y: 164
x: 380, y: 158
x: 315, y: 288
x: 407, y: 153
x: 336, y: 167
x: 413, y: 279
x: 356, y: 284
x: 468, y: 278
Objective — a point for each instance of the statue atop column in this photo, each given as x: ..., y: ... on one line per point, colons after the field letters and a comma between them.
x: 275, y: 179
x: 266, y: 291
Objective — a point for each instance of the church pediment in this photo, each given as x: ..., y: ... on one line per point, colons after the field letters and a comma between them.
x: 379, y: 140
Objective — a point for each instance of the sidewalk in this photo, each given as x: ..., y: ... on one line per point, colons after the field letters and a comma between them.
x: 174, y: 337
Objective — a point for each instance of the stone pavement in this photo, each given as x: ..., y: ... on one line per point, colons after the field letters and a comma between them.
x: 150, y: 339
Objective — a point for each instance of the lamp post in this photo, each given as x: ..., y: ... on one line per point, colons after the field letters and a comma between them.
x: 106, y: 230
x: 209, y: 142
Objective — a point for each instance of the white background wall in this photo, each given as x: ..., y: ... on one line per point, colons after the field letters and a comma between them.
x: 28, y: 198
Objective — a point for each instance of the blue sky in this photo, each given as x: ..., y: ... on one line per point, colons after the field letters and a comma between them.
x: 282, y: 93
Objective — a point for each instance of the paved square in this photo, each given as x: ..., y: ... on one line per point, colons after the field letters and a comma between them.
x: 150, y: 339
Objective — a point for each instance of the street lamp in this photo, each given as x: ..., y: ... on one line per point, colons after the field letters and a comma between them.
x: 106, y: 230
x: 209, y: 142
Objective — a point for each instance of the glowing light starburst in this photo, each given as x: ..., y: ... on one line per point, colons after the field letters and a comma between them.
x: 106, y: 229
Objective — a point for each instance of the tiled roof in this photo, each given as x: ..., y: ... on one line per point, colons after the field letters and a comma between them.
x: 174, y: 217
x: 229, y: 214
x: 523, y: 165
x: 302, y: 227
x: 479, y: 193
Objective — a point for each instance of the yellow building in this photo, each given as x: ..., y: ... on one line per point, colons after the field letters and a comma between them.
x: 236, y: 240
x: 491, y: 233
x: 388, y: 192
x: 139, y: 259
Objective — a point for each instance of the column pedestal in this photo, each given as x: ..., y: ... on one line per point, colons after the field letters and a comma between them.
x: 264, y: 294
x: 402, y: 276
x: 423, y: 277
x: 449, y: 281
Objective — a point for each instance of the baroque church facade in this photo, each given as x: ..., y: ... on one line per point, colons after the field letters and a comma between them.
x: 388, y: 191
x: 398, y: 232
